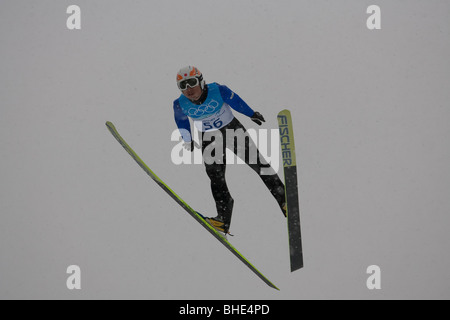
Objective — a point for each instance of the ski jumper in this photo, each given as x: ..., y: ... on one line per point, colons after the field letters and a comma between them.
x: 214, y: 115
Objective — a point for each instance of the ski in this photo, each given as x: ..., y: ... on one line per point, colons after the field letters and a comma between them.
x: 291, y: 188
x: 197, y: 216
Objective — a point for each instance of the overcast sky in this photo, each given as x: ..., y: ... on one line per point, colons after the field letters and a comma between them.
x: 371, y: 116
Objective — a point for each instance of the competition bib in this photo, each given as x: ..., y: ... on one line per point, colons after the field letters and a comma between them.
x: 216, y: 121
x: 212, y: 114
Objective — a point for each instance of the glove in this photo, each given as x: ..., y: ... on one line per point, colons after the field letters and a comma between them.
x: 258, y: 118
x: 189, y: 146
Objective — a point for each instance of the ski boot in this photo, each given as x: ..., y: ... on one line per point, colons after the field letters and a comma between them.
x: 283, y: 207
x: 218, y: 224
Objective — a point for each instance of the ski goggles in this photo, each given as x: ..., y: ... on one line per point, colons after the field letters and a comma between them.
x: 191, y: 82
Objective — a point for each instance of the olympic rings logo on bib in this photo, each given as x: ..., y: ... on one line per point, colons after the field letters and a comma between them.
x: 204, y: 110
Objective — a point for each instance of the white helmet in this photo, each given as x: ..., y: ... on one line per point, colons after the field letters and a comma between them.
x: 189, y: 76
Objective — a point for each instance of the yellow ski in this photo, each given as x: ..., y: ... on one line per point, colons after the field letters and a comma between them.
x: 198, y: 217
x: 291, y: 187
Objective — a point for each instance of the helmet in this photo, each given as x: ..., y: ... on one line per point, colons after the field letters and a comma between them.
x: 190, y: 73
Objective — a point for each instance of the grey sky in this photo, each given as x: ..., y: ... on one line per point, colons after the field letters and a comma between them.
x: 371, y: 119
